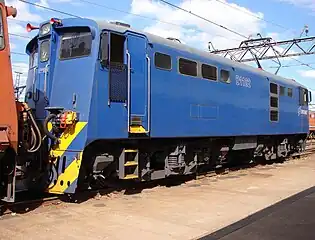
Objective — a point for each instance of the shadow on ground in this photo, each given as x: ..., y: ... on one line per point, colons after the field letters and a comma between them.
x: 290, y: 219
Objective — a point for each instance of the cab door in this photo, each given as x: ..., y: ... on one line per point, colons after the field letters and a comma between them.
x: 138, y: 64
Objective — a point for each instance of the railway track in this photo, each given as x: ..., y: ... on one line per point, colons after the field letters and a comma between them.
x: 23, y: 206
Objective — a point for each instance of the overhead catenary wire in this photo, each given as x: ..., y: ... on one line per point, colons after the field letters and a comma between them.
x: 19, y: 53
x: 166, y: 2
x: 146, y: 17
x: 50, y: 9
x: 221, y: 26
x: 205, y: 19
x: 294, y: 65
x: 21, y: 21
x: 255, y: 16
x: 18, y: 35
x: 114, y: 9
x: 18, y: 66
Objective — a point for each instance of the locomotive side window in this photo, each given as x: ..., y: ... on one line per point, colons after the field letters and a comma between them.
x: 225, y: 76
x: 187, y: 67
x: 282, y: 91
x: 273, y: 116
x: 209, y: 72
x: 163, y: 61
x: 75, y: 44
x: 290, y: 92
x: 273, y: 88
x: 274, y: 103
x: 1, y: 32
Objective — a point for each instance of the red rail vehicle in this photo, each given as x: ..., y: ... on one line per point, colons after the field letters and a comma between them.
x: 19, y: 134
x: 8, y: 115
x: 311, y: 124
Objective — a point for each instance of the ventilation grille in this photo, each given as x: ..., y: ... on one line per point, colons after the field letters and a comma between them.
x: 118, y: 83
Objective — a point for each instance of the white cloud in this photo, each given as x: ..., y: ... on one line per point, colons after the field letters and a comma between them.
x: 195, y: 31
x: 43, y: 3
x: 308, y: 73
x: 23, y: 11
x: 23, y: 14
x: 310, y: 4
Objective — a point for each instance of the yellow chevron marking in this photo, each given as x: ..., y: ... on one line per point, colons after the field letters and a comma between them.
x: 137, y: 129
x: 66, y: 139
x: 68, y: 177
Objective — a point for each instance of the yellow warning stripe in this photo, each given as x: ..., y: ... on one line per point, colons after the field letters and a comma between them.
x: 67, y: 138
x: 71, y: 173
x: 68, y: 177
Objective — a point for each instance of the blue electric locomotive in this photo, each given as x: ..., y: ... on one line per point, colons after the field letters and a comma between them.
x: 117, y: 102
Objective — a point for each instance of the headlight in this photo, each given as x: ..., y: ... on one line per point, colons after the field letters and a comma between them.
x: 45, y: 29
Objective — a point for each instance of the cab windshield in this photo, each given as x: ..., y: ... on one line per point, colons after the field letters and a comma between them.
x: 75, y: 45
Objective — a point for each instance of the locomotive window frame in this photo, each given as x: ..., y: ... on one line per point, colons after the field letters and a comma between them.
x: 228, y: 80
x: 44, y: 45
x: 33, y: 59
x: 282, y: 90
x: 103, y: 53
x: 70, y: 32
x: 290, y: 92
x: 304, y: 97
x: 274, y: 103
x: 210, y: 66
x: 274, y: 96
x: 274, y: 116
x: 161, y: 67
x: 271, y: 88
x: 188, y: 60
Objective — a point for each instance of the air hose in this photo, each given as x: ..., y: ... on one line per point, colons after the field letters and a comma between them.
x: 37, y: 139
x: 45, y: 127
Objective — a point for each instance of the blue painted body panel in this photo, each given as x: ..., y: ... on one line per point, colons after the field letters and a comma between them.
x: 39, y: 80
x: 186, y: 106
x: 181, y: 106
x: 137, y: 46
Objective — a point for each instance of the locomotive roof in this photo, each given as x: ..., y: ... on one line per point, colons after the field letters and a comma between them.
x: 183, y: 47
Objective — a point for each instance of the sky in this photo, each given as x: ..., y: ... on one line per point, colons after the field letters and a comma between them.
x: 279, y: 19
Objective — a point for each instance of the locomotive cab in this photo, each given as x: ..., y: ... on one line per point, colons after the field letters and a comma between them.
x: 71, y: 62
